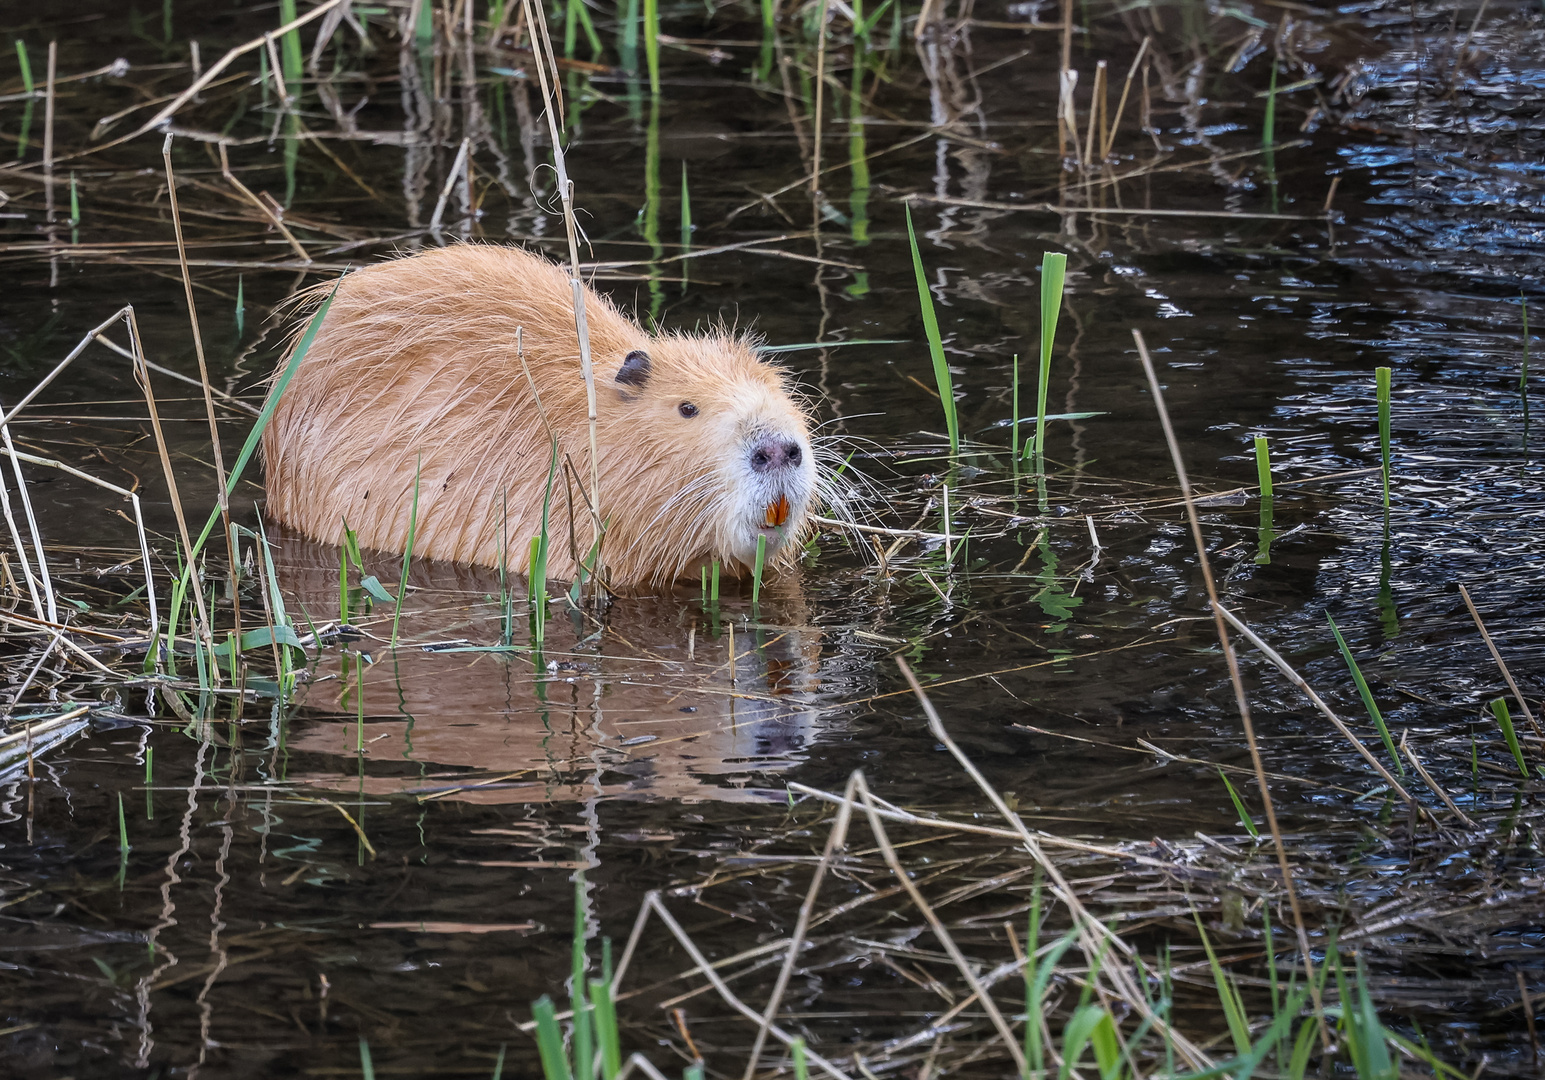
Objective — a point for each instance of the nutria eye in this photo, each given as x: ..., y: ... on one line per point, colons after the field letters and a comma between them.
x: 687, y: 409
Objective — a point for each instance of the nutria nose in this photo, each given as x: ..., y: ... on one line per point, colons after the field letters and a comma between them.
x: 775, y: 452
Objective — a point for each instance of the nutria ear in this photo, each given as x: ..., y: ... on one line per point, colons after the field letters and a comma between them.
x: 635, y: 369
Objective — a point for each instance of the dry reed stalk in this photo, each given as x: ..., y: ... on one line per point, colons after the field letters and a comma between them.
x: 21, y: 551
x: 1497, y: 656
x: 1090, y: 930
x: 1421, y: 771
x: 820, y: 97
x: 273, y: 219
x: 195, y: 580
x: 552, y: 101
x: 50, y: 606
x: 1297, y: 680
x: 451, y: 176
x: 203, y: 371
x: 48, y: 122
x: 1240, y: 700
x: 139, y: 523
x: 1121, y: 106
x: 835, y: 840
x: 276, y: 72
x: 1096, y: 106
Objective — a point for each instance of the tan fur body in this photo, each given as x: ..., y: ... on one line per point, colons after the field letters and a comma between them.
x: 415, y: 372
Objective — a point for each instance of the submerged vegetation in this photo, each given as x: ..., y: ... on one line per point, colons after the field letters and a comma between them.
x: 1121, y: 873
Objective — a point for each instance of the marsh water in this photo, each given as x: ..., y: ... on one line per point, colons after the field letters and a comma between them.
x: 391, y: 853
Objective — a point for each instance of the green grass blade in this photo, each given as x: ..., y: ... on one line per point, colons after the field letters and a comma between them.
x: 1505, y: 721
x: 1366, y: 694
x: 607, y: 1039
x: 290, y: 54
x: 1263, y: 466
x: 941, y: 370
x: 26, y: 67
x: 549, y: 1040
x: 1239, y: 808
x: 1054, y: 267
x: 1228, y: 995
x: 366, y: 1066
x: 652, y: 43
x: 801, y: 1066
x: 756, y: 571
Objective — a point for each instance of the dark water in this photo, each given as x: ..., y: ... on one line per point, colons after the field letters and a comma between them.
x: 653, y: 751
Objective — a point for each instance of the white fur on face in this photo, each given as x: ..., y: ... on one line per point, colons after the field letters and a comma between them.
x: 750, y: 493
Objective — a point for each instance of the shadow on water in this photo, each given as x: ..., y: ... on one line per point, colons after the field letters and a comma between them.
x: 389, y: 851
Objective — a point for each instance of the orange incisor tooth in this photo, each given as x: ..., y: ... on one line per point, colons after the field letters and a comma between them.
x: 777, y: 512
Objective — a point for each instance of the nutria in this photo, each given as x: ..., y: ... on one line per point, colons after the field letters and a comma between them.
x: 414, y: 375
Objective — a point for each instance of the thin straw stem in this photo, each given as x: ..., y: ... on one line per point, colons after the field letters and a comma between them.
x: 1240, y: 700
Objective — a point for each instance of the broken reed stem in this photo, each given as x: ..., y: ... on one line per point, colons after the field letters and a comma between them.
x: 1089, y: 928
x: 1121, y: 106
x: 451, y: 176
x: 552, y: 100
x: 1497, y: 656
x: 835, y: 840
x: 273, y: 219
x: 1096, y: 93
x: 1240, y: 700
x: 203, y: 374
x: 1421, y: 770
x: 820, y: 98
x: 196, y: 583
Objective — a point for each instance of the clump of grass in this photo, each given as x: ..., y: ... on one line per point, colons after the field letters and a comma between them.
x: 1366, y: 694
x: 941, y: 368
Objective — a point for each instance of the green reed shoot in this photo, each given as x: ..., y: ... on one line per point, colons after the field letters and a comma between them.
x: 686, y: 212
x: 1265, y: 534
x: 1505, y: 722
x: 26, y: 68
x: 1366, y: 694
x: 536, y: 573
x: 627, y: 44
x: 289, y: 52
x: 1269, y: 124
x: 1239, y: 808
x: 801, y: 1066
x: 74, y: 203
x: 693, y: 1072
x: 31, y: 88
x: 570, y: 26
x: 1054, y: 267
x: 1014, y: 425
x: 343, y: 587
x: 407, y: 555
x: 652, y: 44
x: 769, y: 38
x: 941, y: 368
x: 1382, y: 376
x: 549, y: 1040
x: 756, y: 571
x: 1523, y: 374
x: 713, y: 584
x: 241, y: 304
x: 606, y: 1035
x: 123, y: 826
x: 1263, y: 466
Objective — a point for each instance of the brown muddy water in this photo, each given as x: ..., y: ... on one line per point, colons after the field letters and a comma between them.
x: 390, y: 853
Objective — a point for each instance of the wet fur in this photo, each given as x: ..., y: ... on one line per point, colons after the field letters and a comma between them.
x: 415, y: 371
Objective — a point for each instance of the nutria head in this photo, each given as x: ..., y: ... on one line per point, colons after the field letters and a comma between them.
x: 725, y: 453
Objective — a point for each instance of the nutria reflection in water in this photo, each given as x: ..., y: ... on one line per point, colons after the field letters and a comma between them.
x: 652, y: 705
